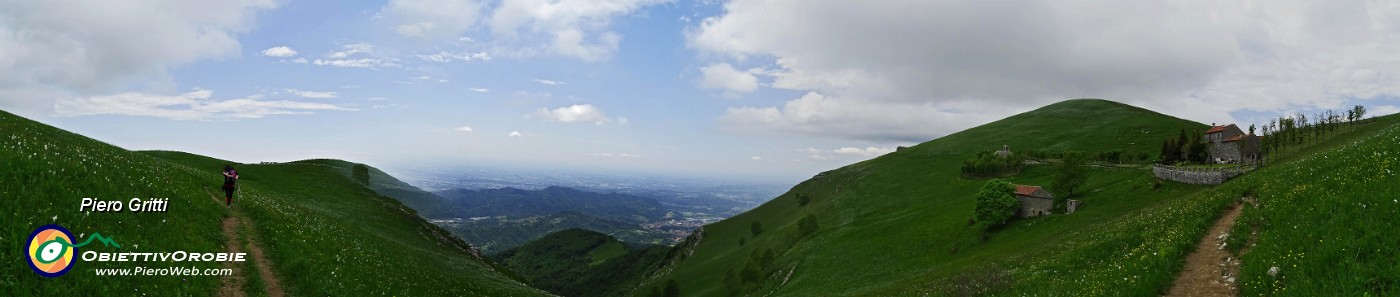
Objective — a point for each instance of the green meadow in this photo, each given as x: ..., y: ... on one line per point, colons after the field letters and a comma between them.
x: 900, y: 224
x: 324, y: 234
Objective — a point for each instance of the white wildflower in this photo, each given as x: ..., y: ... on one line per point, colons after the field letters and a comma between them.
x: 1273, y: 271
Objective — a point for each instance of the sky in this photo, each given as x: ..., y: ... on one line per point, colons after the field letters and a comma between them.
x: 739, y: 89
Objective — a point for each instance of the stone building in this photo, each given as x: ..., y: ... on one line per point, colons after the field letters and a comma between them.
x: 1004, y: 152
x: 1229, y: 144
x: 1035, y: 201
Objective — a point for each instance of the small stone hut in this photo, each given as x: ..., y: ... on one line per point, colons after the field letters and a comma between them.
x: 1035, y: 201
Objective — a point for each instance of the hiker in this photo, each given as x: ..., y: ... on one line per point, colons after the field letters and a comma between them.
x: 230, y: 177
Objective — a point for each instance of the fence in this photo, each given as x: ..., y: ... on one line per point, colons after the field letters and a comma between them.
x: 1196, y: 176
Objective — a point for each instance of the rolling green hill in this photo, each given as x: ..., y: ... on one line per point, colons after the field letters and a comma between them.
x: 496, y: 234
x: 578, y: 262
x: 423, y: 201
x: 898, y: 224
x: 323, y: 233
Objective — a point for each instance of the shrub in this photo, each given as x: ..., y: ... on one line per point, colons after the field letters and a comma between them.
x: 807, y: 226
x: 995, y: 203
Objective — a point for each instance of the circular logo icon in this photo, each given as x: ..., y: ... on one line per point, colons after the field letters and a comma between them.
x: 51, y: 250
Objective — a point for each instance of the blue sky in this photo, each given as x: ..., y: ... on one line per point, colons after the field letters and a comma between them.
x: 748, y: 89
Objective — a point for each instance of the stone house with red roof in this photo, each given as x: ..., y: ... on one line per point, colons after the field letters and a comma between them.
x: 1035, y: 201
x: 1229, y: 144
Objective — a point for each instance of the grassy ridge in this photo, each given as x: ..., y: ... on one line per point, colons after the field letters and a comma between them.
x: 331, y: 236
x: 1327, y: 220
x: 45, y: 173
x: 324, y: 234
x: 578, y: 262
x: 898, y: 224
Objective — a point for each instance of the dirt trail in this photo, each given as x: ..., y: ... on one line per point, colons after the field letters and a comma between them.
x: 1211, y: 270
x: 233, y: 285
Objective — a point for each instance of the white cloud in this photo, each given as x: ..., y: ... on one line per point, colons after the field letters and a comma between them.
x: 377, y: 98
x: 479, y: 90
x: 351, y: 49
x: 514, y: 134
x: 517, y: 28
x: 354, y: 56
x: 578, y: 113
x: 549, y: 82
x: 573, y: 28
x: 1198, y: 59
x: 432, y: 19
x: 280, y: 52
x: 867, y: 152
x: 194, y: 105
x: 355, y: 63
x: 1383, y: 110
x: 756, y: 158
x: 724, y: 76
x: 51, y: 50
x: 446, y: 57
x: 463, y: 129
x: 312, y: 94
x: 815, y: 114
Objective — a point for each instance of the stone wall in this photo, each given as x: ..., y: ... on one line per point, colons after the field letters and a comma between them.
x: 1228, y: 151
x: 1195, y: 176
x: 1034, y: 207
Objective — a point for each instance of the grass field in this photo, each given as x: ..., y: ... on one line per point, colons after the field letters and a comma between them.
x: 899, y: 224
x: 324, y: 234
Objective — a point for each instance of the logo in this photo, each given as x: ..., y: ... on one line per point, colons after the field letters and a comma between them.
x: 51, y: 250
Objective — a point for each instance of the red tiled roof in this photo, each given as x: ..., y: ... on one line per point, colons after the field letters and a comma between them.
x: 1233, y: 138
x: 1025, y: 190
x: 1218, y: 129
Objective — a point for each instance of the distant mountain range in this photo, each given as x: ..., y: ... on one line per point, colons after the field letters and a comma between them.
x: 514, y: 202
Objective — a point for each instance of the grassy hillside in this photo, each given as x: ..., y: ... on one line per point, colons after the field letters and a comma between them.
x: 496, y: 234
x: 1326, y: 218
x: 898, y: 224
x: 423, y: 201
x: 577, y: 262
x: 324, y: 234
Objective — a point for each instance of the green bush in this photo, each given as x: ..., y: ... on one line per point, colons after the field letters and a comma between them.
x: 995, y: 203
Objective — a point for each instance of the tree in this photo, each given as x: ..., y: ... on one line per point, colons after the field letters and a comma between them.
x: 1360, y: 112
x: 1251, y: 129
x: 1170, y: 152
x: 360, y: 173
x: 1183, y: 146
x: 995, y: 203
x: 672, y: 290
x: 1069, y: 175
x: 1198, y: 149
x: 807, y: 226
x: 756, y: 228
